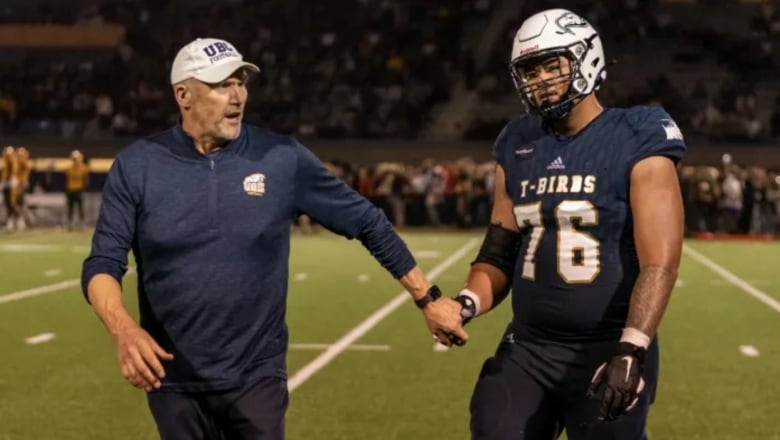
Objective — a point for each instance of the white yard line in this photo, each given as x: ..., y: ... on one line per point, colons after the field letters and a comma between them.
x: 356, y: 347
x: 28, y: 247
x: 426, y: 254
x: 42, y: 290
x: 733, y: 279
x: 39, y: 339
x: 749, y: 351
x: 49, y: 288
x: 321, y: 361
x: 52, y: 273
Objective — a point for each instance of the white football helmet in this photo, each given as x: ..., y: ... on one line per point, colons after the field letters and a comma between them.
x: 558, y: 32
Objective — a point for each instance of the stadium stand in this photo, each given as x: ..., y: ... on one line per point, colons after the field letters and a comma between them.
x: 96, y: 74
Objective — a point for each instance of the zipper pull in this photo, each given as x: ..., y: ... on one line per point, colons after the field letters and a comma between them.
x: 212, y: 164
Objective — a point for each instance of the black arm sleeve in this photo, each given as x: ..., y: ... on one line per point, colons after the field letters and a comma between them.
x: 500, y: 248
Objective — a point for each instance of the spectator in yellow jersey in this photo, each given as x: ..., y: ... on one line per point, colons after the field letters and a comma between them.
x: 9, y: 184
x: 23, y: 170
x: 75, y: 184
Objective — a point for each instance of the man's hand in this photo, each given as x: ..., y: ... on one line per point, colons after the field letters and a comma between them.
x: 622, y: 379
x: 138, y: 353
x: 444, y: 321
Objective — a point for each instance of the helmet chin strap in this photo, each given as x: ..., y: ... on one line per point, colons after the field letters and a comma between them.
x: 560, y: 111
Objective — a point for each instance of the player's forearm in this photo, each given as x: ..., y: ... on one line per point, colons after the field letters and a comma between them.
x: 105, y: 296
x: 649, y: 299
x: 489, y: 283
x: 415, y: 282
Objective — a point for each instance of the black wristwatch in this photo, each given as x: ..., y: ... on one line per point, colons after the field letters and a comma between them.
x: 431, y: 295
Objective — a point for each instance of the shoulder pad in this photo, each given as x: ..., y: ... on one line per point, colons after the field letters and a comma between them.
x: 519, y: 131
x: 655, y: 134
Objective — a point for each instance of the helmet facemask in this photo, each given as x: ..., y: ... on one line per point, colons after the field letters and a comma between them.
x: 525, y: 71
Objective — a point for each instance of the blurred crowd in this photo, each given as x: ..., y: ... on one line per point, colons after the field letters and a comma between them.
x: 384, y: 69
x: 719, y: 83
x: 374, y: 71
x: 455, y: 193
x: 731, y: 199
x: 723, y: 200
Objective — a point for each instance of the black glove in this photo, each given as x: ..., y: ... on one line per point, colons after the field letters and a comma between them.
x: 622, y: 378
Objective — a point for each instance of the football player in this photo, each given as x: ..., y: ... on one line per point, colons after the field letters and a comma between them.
x: 10, y: 185
x: 587, y: 229
x: 76, y: 177
x: 23, y: 171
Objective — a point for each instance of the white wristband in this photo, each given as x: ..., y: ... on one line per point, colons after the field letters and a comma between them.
x: 635, y: 337
x: 474, y: 297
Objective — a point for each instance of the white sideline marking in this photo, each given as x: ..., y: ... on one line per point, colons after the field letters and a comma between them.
x: 357, y: 347
x: 733, y: 279
x: 28, y: 247
x: 679, y: 283
x: 52, y: 273
x: 754, y: 283
x: 362, y: 278
x: 426, y: 254
x: 35, y: 291
x: 749, y: 351
x: 310, y: 369
x: 300, y: 276
x: 50, y: 288
x: 39, y: 339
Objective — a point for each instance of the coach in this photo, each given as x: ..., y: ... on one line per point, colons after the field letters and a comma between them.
x: 207, y: 207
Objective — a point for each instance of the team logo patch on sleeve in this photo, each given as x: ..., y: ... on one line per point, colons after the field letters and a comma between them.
x: 254, y: 184
x: 671, y: 129
x: 524, y: 152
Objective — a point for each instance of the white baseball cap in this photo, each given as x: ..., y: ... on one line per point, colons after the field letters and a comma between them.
x: 210, y: 60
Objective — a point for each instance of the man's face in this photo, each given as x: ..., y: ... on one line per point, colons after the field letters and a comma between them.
x: 548, y: 78
x: 217, y: 109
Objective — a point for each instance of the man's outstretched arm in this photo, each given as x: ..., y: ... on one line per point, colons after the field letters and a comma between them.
x: 340, y: 209
x: 489, y: 279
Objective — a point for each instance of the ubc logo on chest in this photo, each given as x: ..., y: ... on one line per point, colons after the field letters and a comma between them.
x: 254, y: 184
x: 559, y: 184
x: 219, y: 50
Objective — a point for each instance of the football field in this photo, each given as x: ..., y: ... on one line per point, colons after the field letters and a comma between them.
x: 361, y: 363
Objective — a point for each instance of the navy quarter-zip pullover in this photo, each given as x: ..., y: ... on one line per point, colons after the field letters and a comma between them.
x: 211, y: 238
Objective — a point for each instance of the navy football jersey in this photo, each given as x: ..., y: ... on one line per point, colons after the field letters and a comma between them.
x: 577, y: 264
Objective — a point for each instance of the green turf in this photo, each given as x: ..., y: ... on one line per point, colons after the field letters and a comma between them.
x: 70, y: 387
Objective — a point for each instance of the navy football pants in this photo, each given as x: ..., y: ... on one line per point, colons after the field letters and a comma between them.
x: 252, y: 413
x: 533, y: 391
